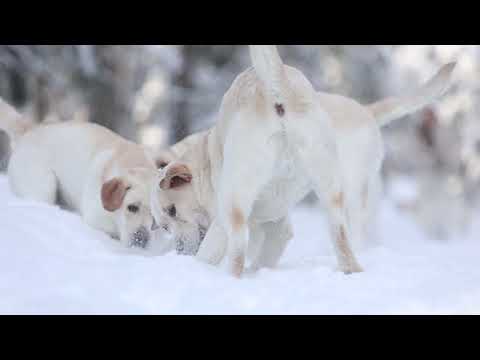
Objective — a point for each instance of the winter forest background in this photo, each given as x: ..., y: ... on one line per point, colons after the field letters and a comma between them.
x: 158, y: 94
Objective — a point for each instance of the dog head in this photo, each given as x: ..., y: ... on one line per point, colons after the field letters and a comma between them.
x: 176, y: 209
x: 127, y: 196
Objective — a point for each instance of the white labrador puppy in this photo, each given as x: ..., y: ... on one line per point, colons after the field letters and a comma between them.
x: 186, y: 242
x: 104, y: 177
x: 276, y: 139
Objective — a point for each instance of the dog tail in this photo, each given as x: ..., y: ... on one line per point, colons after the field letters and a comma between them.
x: 269, y: 68
x: 12, y: 122
x: 390, y: 109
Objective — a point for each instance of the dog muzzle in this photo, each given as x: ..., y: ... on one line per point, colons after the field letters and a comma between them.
x: 140, y: 238
x: 189, y: 245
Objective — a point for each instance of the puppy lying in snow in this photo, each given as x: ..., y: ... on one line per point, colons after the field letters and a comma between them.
x: 276, y: 139
x: 104, y: 177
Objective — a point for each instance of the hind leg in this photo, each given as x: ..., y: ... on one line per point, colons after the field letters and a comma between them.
x: 255, y: 245
x: 331, y: 187
x: 339, y: 213
x: 32, y: 180
x: 371, y: 194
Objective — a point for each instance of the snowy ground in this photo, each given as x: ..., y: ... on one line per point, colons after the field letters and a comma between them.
x: 51, y: 263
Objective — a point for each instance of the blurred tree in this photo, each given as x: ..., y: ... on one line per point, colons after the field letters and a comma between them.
x: 106, y: 78
x: 184, y: 82
x: 205, y: 74
x: 43, y: 76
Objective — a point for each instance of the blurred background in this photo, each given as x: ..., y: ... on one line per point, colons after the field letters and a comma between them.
x: 158, y: 94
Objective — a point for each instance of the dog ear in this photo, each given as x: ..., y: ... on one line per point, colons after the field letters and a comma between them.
x: 113, y: 193
x: 177, y: 176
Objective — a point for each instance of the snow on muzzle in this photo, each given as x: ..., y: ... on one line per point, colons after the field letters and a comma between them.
x: 189, y: 243
x: 140, y: 238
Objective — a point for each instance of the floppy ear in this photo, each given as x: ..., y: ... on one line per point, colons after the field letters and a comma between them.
x: 177, y: 176
x: 113, y: 193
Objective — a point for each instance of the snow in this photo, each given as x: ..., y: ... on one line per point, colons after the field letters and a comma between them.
x: 52, y: 263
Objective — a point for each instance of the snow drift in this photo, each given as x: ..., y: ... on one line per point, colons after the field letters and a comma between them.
x: 52, y: 263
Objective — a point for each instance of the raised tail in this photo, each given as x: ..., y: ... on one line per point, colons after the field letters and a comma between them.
x: 269, y: 68
x: 390, y: 109
x: 12, y: 122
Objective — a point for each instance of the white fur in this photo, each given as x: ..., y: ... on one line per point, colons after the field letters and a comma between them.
x: 75, y: 160
x: 276, y: 139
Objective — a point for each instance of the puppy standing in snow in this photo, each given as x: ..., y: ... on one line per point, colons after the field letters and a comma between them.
x: 276, y: 139
x: 104, y: 177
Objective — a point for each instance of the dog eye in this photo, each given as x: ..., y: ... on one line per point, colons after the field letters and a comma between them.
x: 172, y: 211
x: 133, y: 208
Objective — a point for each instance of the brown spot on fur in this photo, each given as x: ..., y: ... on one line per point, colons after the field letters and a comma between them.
x: 348, y: 259
x: 342, y: 243
x: 338, y: 200
x: 238, y: 219
x: 280, y: 109
x: 238, y: 265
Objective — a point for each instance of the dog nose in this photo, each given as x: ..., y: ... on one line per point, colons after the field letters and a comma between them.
x: 140, y: 238
x: 155, y: 225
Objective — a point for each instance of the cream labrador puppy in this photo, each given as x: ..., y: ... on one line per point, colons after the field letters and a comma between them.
x: 104, y: 177
x: 187, y: 238
x: 275, y: 140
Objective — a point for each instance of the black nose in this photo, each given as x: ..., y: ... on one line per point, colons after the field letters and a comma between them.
x: 140, y: 238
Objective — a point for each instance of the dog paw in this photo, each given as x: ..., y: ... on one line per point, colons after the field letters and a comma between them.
x: 349, y: 269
